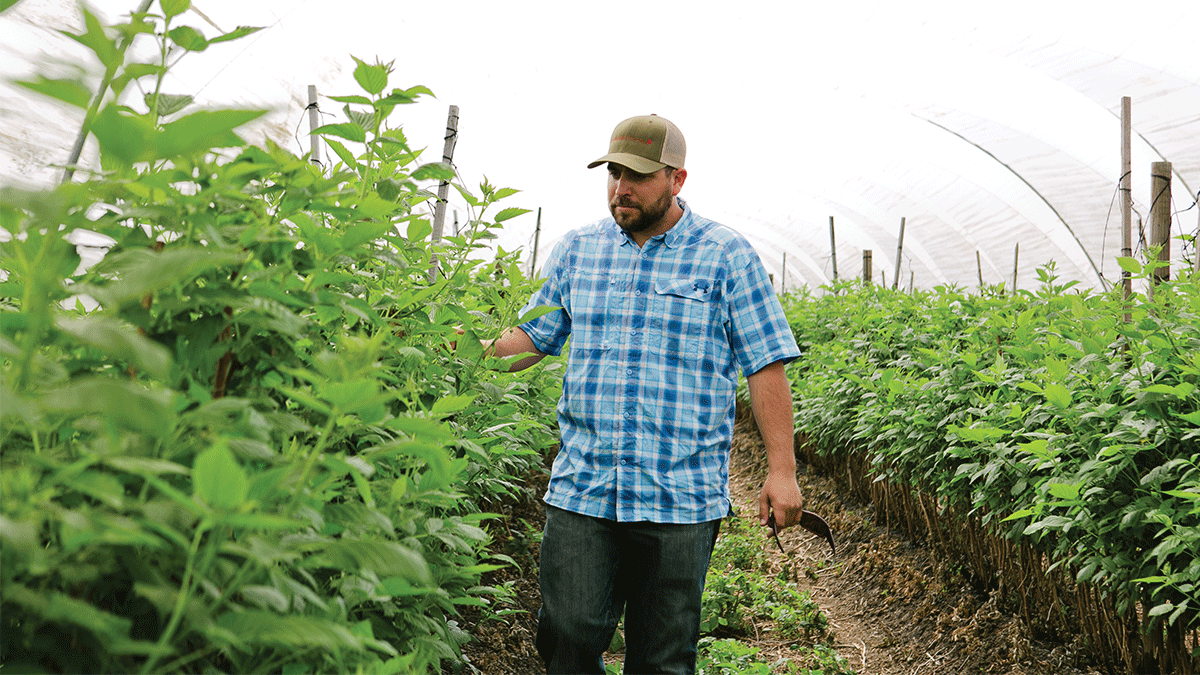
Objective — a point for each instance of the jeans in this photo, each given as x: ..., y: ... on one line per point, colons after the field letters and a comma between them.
x: 592, y: 569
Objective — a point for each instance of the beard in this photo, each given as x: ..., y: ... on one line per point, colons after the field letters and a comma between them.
x: 644, y: 217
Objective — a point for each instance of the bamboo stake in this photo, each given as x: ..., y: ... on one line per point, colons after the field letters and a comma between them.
x: 783, y: 276
x: 899, y: 254
x: 1126, y: 188
x: 537, y: 234
x: 314, y: 121
x: 833, y: 248
x: 439, y: 214
x: 979, y: 269
x: 911, y: 276
x: 1160, y: 217
x: 1016, y: 255
x: 866, y: 270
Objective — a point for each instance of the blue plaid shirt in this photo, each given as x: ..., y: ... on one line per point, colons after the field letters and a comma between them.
x: 658, y: 334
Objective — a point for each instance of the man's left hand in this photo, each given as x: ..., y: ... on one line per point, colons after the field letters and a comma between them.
x: 781, y: 494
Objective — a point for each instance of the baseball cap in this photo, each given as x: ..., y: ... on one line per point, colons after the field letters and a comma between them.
x: 645, y: 144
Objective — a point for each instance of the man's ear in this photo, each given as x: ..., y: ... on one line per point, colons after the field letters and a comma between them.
x: 677, y: 179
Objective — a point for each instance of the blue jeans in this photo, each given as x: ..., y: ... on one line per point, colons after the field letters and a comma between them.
x: 592, y: 569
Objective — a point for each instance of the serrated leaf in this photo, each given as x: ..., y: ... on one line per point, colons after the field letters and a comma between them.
x: 262, y: 628
x: 535, y: 313
x: 1058, y: 395
x: 419, y: 229
x: 168, y: 104
x: 173, y: 8
x: 218, y: 479
x: 120, y: 341
x: 448, y: 405
x: 1130, y: 265
x: 361, y: 100
x: 384, y: 558
x: 348, y: 131
x: 188, y: 38
x: 68, y: 91
x: 123, y: 403
x: 202, y: 131
x: 372, y: 78
x: 236, y: 33
x: 508, y: 213
x: 434, y: 171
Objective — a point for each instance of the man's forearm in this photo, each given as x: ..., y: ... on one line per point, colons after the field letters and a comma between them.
x: 771, y: 401
x: 512, y: 342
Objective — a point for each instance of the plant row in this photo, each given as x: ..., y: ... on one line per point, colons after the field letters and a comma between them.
x: 1045, y: 435
x: 240, y: 441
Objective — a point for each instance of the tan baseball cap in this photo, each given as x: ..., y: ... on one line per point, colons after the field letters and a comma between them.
x: 645, y: 144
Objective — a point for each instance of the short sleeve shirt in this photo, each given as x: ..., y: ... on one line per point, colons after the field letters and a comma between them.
x: 658, y: 335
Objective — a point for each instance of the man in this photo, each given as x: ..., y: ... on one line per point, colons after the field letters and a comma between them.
x: 662, y: 308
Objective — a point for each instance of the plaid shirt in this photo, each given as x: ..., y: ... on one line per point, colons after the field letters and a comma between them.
x: 658, y: 334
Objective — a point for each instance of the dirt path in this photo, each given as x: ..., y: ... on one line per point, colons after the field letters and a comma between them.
x: 891, y: 609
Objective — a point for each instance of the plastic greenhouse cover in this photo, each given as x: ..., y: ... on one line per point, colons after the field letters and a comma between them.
x: 986, y: 129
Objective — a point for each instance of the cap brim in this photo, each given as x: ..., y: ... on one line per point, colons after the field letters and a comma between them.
x: 629, y: 161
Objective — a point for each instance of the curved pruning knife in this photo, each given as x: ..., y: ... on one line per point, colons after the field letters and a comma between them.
x: 809, y: 521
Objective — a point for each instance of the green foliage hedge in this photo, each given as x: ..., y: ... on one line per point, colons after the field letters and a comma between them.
x: 1044, y: 415
x: 258, y: 453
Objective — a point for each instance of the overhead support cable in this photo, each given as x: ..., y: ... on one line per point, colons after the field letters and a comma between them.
x: 1034, y: 190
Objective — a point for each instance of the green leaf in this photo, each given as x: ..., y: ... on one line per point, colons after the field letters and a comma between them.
x: 372, y: 78
x: 236, y: 33
x: 5, y: 4
x: 122, y: 403
x: 434, y: 171
x: 535, y: 313
x: 384, y: 558
x: 448, y: 405
x: 1130, y: 265
x: 361, y: 100
x: 1058, y: 395
x: 68, y: 91
x: 509, y: 213
x: 122, y: 137
x: 120, y: 341
x: 349, y: 131
x: 168, y: 104
x: 262, y: 628
x: 141, y: 272
x: 188, y: 38
x: 95, y: 39
x: 173, y: 8
x: 218, y: 479
x: 419, y: 229
x: 202, y: 131
x: 346, y: 156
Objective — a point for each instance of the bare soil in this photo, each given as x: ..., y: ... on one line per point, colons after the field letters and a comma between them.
x: 892, y: 609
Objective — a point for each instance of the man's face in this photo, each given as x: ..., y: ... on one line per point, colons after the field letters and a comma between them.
x: 639, y: 201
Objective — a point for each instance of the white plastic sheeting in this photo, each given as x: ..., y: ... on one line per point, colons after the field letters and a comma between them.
x: 986, y: 129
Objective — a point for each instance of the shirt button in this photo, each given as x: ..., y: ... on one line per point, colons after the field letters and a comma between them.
x: 629, y: 371
x: 638, y: 292
x: 623, y: 462
x: 628, y: 415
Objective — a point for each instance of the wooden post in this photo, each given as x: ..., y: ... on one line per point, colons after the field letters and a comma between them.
x: 783, y: 276
x: 911, y: 276
x: 882, y: 279
x: 867, y: 272
x: 1160, y: 216
x: 537, y: 234
x: 1016, y: 255
x: 439, y: 213
x: 979, y: 269
x: 314, y: 121
x: 899, y: 255
x: 833, y: 248
x: 1126, y: 188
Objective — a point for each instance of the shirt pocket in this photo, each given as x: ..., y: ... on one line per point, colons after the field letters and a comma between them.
x: 683, y: 313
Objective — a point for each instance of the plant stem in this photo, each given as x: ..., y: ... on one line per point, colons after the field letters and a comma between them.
x: 185, y: 591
